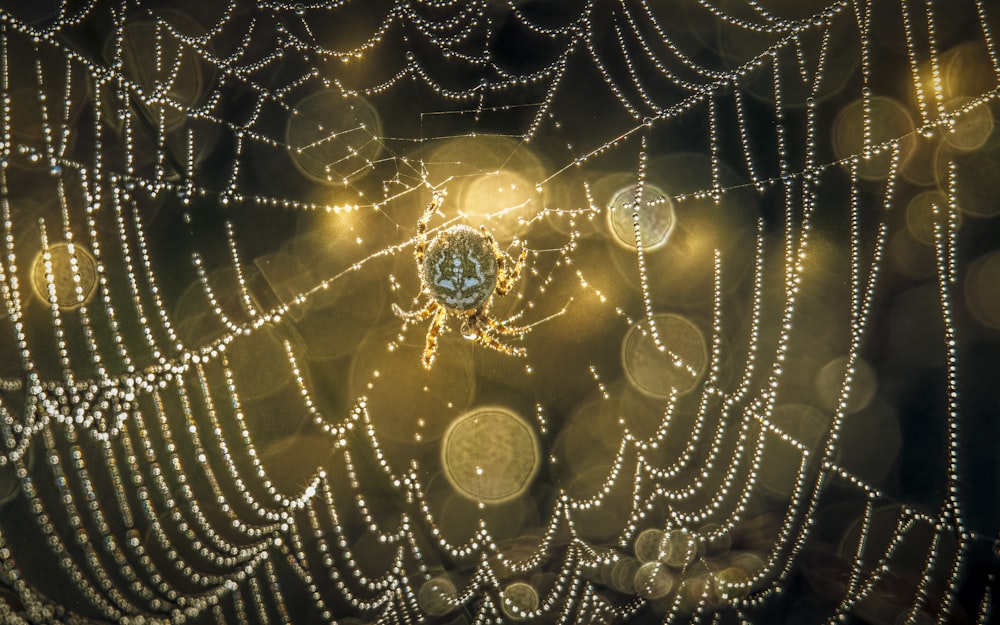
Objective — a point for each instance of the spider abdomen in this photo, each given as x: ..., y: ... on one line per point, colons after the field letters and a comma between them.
x: 460, y: 268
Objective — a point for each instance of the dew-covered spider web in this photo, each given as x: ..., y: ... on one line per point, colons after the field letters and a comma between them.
x: 759, y: 305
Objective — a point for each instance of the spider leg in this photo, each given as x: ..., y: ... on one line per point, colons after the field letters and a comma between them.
x: 430, y: 349
x: 488, y: 340
x: 497, y: 253
x: 472, y: 329
x: 478, y: 318
x: 421, y: 245
x: 502, y: 327
x: 415, y: 315
x: 515, y: 273
x: 507, y: 278
x: 483, y: 314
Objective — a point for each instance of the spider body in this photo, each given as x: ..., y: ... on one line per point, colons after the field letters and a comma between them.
x: 461, y: 269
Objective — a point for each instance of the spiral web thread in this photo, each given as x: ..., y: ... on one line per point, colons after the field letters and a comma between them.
x: 136, y: 467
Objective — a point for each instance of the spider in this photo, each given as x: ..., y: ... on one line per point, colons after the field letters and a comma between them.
x: 460, y: 270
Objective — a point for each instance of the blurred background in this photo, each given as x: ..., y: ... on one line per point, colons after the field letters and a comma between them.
x: 760, y: 300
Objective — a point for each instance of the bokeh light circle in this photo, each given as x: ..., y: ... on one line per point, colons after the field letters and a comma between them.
x: 490, y: 454
x: 519, y: 600
x: 64, y: 278
x: 655, y: 212
x: 679, y: 366
x: 437, y: 596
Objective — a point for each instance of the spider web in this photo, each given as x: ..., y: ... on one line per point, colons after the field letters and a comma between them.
x: 744, y: 285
